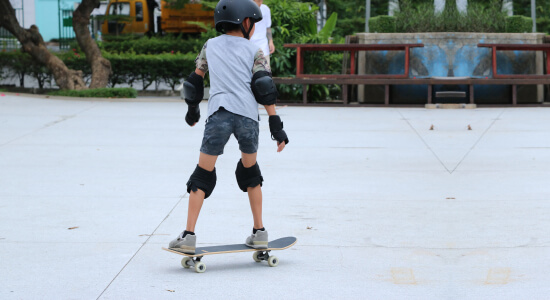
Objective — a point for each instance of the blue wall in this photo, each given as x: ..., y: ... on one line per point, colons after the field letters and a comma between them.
x: 47, y: 17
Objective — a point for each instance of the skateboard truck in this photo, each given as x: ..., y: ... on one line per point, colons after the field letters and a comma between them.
x: 188, y: 262
x: 260, y: 256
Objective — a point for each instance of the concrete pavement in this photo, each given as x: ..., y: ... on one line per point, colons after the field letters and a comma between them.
x: 382, y: 206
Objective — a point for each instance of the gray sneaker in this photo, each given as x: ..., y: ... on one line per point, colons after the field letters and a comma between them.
x: 257, y: 240
x: 185, y: 245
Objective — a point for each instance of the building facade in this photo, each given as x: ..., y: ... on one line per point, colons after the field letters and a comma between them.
x: 48, y: 15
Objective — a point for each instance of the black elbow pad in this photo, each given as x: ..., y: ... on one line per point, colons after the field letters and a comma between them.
x: 264, y: 88
x: 193, y: 89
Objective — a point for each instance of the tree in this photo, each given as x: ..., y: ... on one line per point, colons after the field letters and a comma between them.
x: 351, y: 14
x: 101, y: 67
x: 523, y: 7
x: 32, y: 42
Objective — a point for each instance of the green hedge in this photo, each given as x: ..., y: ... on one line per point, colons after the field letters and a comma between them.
x: 153, y: 45
x: 98, y: 93
x: 519, y: 24
x: 382, y: 24
x: 18, y: 64
x: 127, y: 68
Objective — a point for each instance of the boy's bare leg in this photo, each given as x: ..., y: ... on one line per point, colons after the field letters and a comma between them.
x: 254, y: 193
x: 196, y: 199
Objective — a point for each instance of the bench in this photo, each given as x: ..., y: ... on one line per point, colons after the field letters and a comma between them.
x: 342, y: 78
x: 430, y: 82
x: 518, y: 47
x: 388, y: 80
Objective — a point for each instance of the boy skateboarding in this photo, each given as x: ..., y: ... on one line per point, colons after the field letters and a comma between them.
x: 240, y: 79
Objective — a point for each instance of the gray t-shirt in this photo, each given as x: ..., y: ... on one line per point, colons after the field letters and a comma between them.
x: 232, y: 61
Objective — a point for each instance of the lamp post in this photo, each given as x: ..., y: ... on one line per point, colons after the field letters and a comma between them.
x: 59, y: 19
x: 534, y: 15
x: 367, y: 15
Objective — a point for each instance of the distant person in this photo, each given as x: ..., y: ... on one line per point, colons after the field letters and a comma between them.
x: 240, y: 78
x: 262, y: 36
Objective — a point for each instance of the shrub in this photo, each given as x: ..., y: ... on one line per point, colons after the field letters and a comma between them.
x: 98, y: 93
x: 382, y: 24
x: 127, y: 68
x: 295, y: 22
x: 18, y: 64
x: 153, y: 45
x: 519, y: 24
x: 486, y: 16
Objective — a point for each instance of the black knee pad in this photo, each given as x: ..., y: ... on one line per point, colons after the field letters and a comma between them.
x: 202, y: 179
x: 248, y: 177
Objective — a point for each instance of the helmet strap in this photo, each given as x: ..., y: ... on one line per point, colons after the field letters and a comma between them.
x: 245, y: 32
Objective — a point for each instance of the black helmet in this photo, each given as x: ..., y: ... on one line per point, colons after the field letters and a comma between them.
x: 234, y: 12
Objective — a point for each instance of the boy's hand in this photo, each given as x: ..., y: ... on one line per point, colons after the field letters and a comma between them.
x: 193, y: 90
x: 193, y: 115
x: 277, y: 132
x: 280, y: 146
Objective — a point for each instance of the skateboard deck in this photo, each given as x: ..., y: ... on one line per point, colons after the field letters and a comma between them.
x: 259, y: 255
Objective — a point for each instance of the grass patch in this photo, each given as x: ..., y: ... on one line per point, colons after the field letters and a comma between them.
x: 98, y: 93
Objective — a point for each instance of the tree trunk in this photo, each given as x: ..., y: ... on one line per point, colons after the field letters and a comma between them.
x: 101, y: 67
x: 32, y: 43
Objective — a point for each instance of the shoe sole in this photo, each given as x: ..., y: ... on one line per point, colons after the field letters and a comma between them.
x: 258, y: 245
x: 182, y: 250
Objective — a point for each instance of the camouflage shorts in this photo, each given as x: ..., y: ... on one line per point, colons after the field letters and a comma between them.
x: 221, y: 125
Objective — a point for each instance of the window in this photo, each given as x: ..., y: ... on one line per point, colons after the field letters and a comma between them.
x: 119, y: 9
x: 139, y: 11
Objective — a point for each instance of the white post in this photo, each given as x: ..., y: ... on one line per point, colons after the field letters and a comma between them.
x: 322, y: 15
x: 393, y: 6
x: 462, y: 6
x: 439, y: 6
x: 508, y: 7
x: 534, y: 15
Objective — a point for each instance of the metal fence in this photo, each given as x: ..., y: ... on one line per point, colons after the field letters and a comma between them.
x: 7, y: 40
x: 66, y: 32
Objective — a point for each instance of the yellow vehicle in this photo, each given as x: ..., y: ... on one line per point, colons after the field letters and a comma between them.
x: 143, y: 17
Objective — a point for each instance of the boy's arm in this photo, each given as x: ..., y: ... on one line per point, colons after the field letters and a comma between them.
x: 200, y: 73
x: 276, y: 127
x: 270, y: 109
x: 193, y: 88
x: 266, y: 94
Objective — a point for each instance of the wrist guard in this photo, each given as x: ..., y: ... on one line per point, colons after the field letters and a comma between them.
x: 193, y: 114
x: 193, y: 90
x: 276, y: 128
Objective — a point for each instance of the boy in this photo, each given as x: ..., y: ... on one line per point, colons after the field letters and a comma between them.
x: 240, y: 78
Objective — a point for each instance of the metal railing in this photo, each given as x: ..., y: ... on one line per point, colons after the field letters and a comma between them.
x: 7, y: 40
x: 66, y: 32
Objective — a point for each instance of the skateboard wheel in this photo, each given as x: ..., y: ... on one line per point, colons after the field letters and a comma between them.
x: 184, y: 262
x: 200, y: 267
x: 255, y: 256
x: 273, y: 261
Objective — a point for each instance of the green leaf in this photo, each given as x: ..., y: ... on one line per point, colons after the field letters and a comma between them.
x: 327, y: 30
x: 311, y: 27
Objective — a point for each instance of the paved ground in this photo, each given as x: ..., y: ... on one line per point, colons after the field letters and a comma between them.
x: 382, y: 206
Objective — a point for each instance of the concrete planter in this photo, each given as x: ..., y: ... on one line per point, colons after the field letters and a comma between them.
x: 450, y: 54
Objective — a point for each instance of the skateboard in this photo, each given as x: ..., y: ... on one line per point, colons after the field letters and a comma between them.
x: 194, y: 260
